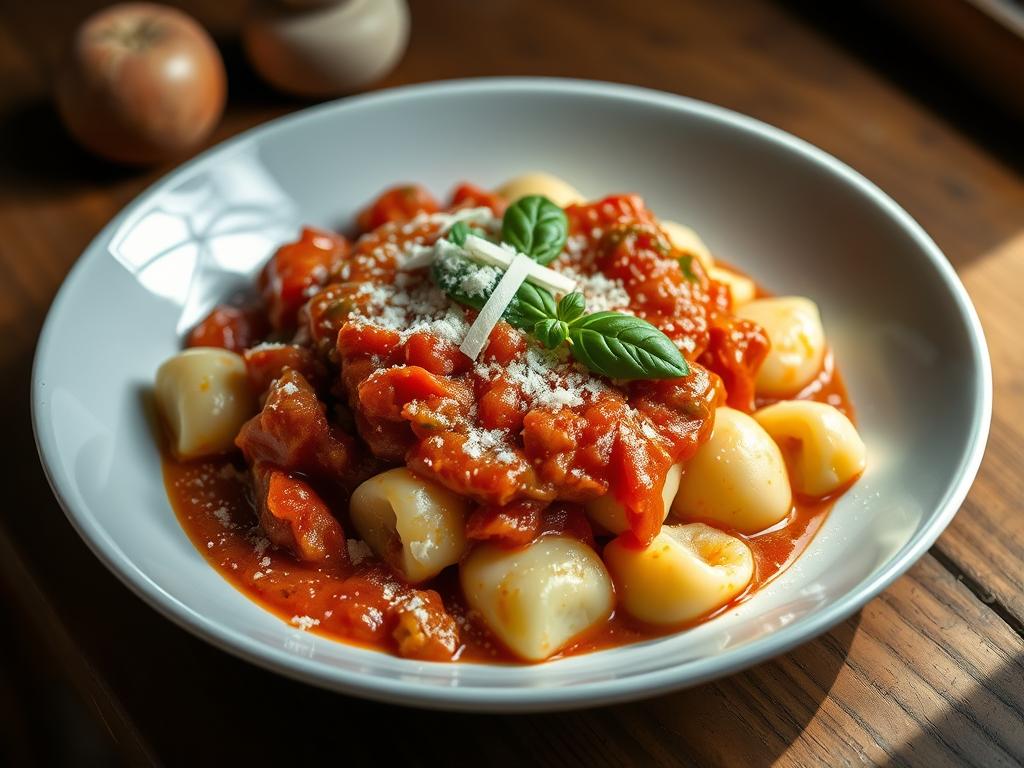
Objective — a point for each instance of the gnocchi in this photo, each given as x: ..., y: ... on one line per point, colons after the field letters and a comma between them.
x: 686, y: 572
x: 539, y: 599
x: 820, y: 445
x: 204, y: 398
x: 412, y: 523
x: 797, y: 354
x: 560, y: 192
x: 685, y: 239
x: 737, y: 478
x: 609, y: 515
x: 741, y: 288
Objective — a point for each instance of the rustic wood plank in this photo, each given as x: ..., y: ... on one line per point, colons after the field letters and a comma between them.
x: 926, y: 675
x: 986, y: 540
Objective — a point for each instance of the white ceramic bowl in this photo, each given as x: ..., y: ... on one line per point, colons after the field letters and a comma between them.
x: 903, y: 329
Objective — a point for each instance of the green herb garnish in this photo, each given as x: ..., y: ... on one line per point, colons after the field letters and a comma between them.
x: 612, y: 344
x: 686, y: 265
x: 458, y: 233
x: 537, y: 227
x: 625, y: 347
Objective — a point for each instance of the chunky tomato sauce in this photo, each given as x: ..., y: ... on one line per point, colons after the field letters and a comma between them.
x: 364, y: 373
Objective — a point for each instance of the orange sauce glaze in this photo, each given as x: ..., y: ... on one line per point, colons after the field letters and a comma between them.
x: 211, y: 502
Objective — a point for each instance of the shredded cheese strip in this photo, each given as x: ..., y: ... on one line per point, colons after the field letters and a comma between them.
x: 487, y: 252
x: 483, y: 216
x: 480, y: 331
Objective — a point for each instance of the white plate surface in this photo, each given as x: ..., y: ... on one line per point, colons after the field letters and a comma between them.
x: 903, y: 329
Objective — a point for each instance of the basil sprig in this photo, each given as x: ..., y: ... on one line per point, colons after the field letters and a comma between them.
x: 471, y: 284
x: 612, y: 344
x: 537, y: 227
x: 625, y: 347
x: 686, y: 266
x: 458, y: 233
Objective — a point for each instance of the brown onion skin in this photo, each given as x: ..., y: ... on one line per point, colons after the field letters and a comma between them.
x: 142, y: 83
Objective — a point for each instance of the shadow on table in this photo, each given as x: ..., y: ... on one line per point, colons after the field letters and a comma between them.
x: 983, y: 728
x: 39, y: 158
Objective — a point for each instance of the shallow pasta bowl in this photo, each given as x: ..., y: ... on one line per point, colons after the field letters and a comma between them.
x: 902, y: 327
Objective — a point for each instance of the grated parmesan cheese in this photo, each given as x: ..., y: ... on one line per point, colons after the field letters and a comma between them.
x: 358, y: 551
x: 305, y: 622
x: 602, y: 293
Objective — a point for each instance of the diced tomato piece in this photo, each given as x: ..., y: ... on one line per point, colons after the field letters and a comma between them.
x: 435, y: 354
x: 294, y: 272
x: 502, y: 406
x: 366, y: 339
x: 295, y: 518
x: 504, y: 345
x: 399, y: 203
x: 682, y: 410
x: 268, y: 362
x: 362, y: 607
x: 384, y: 394
x: 736, y: 349
x: 512, y: 525
x: 228, y: 327
x: 594, y: 218
x: 499, y: 476
x: 292, y: 432
x: 328, y: 311
x: 637, y: 472
x: 471, y: 196
x: 425, y: 630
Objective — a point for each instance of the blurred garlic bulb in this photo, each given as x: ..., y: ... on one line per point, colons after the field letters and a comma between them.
x: 319, y: 48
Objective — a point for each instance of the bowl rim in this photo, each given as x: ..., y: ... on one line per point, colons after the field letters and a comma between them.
x: 496, y: 699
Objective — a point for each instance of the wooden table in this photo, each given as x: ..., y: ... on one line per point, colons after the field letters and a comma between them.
x: 931, y: 673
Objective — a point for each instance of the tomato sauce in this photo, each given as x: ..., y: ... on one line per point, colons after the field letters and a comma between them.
x: 348, y: 398
x: 211, y: 500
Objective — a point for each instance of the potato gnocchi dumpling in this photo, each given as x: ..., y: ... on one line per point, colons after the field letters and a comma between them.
x: 685, y: 573
x: 742, y: 289
x: 536, y: 600
x: 204, y: 398
x: 737, y: 478
x: 820, y: 445
x: 609, y: 515
x: 414, y: 524
x: 793, y: 325
x: 560, y: 192
x: 685, y: 239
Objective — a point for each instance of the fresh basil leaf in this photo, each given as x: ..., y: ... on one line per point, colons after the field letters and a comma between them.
x: 571, y: 306
x: 531, y: 305
x: 471, y: 284
x: 551, y: 332
x: 463, y: 279
x: 458, y: 232
x: 686, y: 265
x: 537, y: 227
x: 625, y: 347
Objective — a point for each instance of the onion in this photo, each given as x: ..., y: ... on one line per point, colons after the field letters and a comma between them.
x: 142, y: 83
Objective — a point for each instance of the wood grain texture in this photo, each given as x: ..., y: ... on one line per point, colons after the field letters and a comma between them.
x: 986, y: 540
x: 928, y: 674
